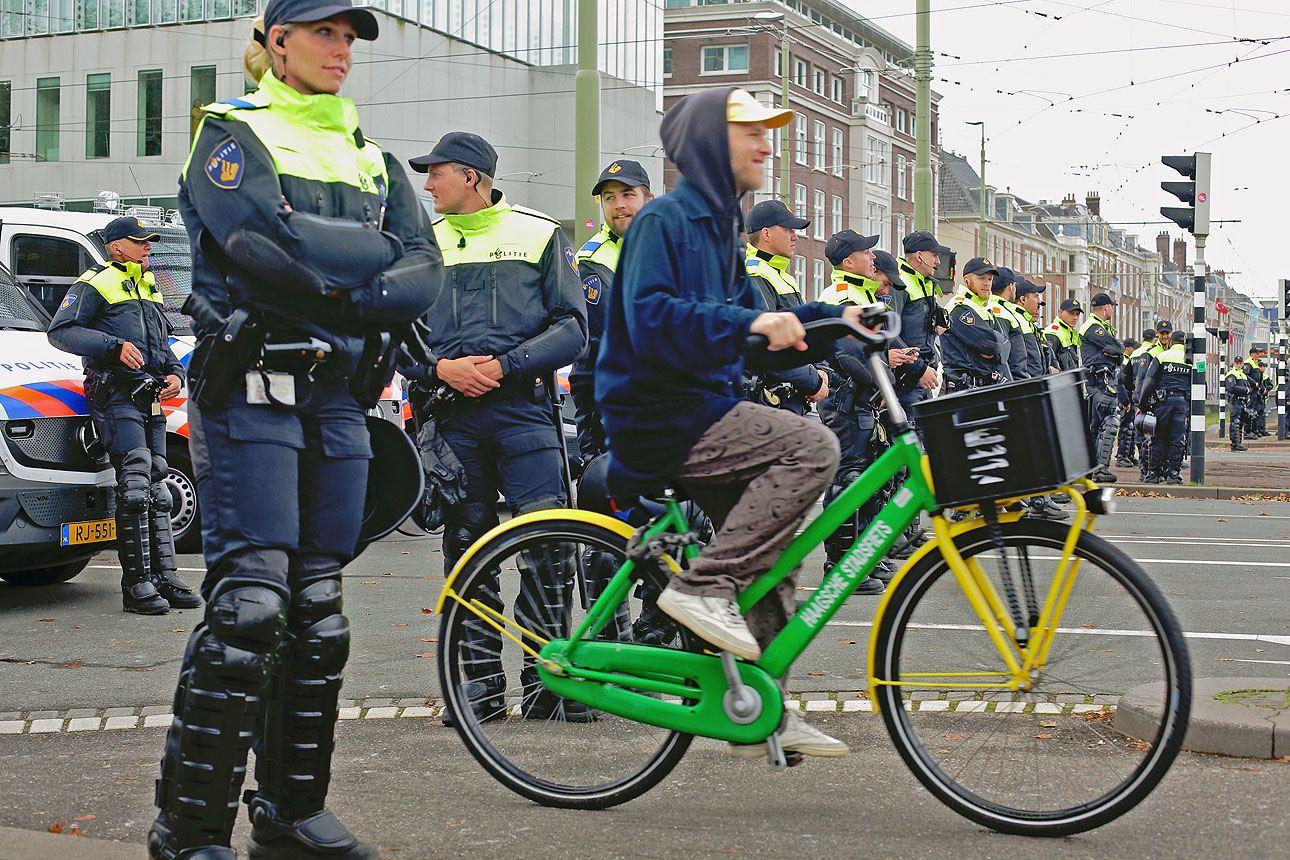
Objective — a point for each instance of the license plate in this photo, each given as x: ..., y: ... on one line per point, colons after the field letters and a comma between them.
x: 93, y: 532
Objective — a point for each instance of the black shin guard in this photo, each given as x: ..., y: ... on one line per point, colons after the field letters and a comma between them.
x: 139, y: 592
x: 177, y: 593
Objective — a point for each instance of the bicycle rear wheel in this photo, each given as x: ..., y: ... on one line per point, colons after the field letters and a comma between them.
x: 542, y: 577
x: 1054, y: 759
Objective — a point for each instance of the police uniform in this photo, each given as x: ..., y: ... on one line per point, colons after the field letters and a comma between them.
x: 918, y: 304
x: 778, y: 290
x: 1238, y: 388
x: 1124, y: 451
x: 1139, y: 360
x: 511, y: 290
x: 1101, y: 353
x: 1164, y: 387
x: 300, y: 228
x: 597, y: 261
x: 1255, y: 404
x: 972, y: 348
x: 1015, y: 360
x: 107, y: 307
x: 1064, y: 340
x: 1037, y: 362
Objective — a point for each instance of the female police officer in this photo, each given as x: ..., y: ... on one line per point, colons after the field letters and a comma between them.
x: 307, y: 251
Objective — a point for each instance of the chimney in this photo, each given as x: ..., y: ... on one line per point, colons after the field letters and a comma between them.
x: 1094, y: 204
x: 1162, y: 245
x: 1068, y: 202
x: 1180, y: 255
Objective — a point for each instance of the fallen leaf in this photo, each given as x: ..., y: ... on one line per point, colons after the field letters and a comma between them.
x: 1043, y: 737
x: 405, y: 552
x: 89, y: 817
x: 815, y: 673
x: 46, y: 619
x: 180, y: 630
x: 425, y: 611
x: 369, y: 582
x: 955, y: 738
x: 76, y: 627
x: 431, y: 654
x: 429, y: 640
x: 144, y: 669
x: 1222, y: 520
x: 1048, y: 724
x: 402, y: 624
x: 846, y: 641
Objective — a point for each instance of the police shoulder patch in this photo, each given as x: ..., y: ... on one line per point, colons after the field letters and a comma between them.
x: 568, y: 255
x: 226, y: 164
x: 968, y: 318
x: 592, y: 288
x: 68, y: 300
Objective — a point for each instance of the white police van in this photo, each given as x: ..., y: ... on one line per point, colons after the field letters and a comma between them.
x: 56, y: 490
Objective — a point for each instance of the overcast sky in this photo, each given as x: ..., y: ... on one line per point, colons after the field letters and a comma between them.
x: 1123, y: 57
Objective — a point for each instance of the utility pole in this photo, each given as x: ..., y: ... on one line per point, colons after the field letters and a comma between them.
x: 586, y: 123
x: 981, y: 244
x: 1282, y: 394
x: 923, y: 119
x: 784, y: 196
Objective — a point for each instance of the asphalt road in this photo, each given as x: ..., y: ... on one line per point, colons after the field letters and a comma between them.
x: 409, y: 785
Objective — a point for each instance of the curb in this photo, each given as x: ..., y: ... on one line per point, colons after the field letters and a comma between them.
x: 1247, y: 731
x: 1183, y: 491
x: 18, y: 844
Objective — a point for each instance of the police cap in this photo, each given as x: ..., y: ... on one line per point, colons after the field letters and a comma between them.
x: 1002, y: 278
x: 1164, y: 325
x: 773, y: 213
x: 1103, y: 299
x: 126, y: 227
x: 629, y: 173
x: 1149, y: 334
x: 459, y: 147
x: 307, y: 11
x: 886, y: 264
x: 845, y: 243
x: 921, y: 240
x: 1025, y: 286
x: 1178, y: 337
x: 979, y: 266
x: 1072, y: 305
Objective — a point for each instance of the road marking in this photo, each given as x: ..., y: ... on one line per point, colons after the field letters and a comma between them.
x: 1270, y: 638
x: 118, y: 567
x: 1180, y: 514
x: 1272, y: 662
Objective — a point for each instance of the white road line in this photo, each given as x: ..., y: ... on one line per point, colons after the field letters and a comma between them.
x: 118, y: 567
x: 1273, y: 662
x: 1121, y: 513
x: 1269, y: 638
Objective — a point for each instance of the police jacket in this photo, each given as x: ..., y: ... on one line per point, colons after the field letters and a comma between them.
x: 511, y: 291
x: 1138, y: 362
x: 971, y: 345
x: 1100, y: 349
x: 1036, y: 349
x: 1064, y: 343
x: 1167, y: 374
x: 917, y: 306
x: 849, y: 289
x: 294, y: 174
x: 108, y: 306
x: 1009, y: 325
x: 596, y: 259
x: 779, y: 292
x: 1236, y: 383
x: 1255, y: 375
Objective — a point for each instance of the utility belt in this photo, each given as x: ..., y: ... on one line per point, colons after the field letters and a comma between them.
x: 850, y: 399
x: 964, y: 379
x: 779, y: 395
x: 143, y: 388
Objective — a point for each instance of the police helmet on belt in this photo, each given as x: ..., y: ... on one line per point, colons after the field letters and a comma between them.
x: 629, y: 173
x: 308, y: 11
x: 126, y: 227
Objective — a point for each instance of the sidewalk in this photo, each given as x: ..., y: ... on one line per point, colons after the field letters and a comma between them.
x: 1262, y: 470
x: 16, y: 844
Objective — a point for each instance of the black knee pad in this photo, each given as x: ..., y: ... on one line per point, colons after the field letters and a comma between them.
x: 323, y: 647
x: 466, y: 524
x: 161, y: 499
x: 246, y: 625
x: 132, y: 499
x: 314, y: 602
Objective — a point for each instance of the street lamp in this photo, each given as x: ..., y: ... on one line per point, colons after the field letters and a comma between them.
x: 980, y: 251
x: 769, y: 17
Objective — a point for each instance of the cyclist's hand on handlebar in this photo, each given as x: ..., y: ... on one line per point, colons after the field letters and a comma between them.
x: 782, y: 329
x: 853, y: 315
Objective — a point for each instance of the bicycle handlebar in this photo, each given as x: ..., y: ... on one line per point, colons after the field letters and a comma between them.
x: 881, y: 327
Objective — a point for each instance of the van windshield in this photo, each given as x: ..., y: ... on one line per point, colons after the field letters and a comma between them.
x: 171, y: 262
x: 17, y: 309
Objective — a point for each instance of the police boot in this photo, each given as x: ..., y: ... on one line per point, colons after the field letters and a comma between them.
x: 653, y: 626
x: 597, y: 569
x: 176, y: 592
x: 543, y: 606
x: 139, y: 592
x: 485, y: 683
x: 1236, y: 437
x: 276, y: 836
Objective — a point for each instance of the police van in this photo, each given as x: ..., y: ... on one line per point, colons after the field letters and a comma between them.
x: 56, y: 487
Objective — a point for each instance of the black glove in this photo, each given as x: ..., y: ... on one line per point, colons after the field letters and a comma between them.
x: 445, y: 477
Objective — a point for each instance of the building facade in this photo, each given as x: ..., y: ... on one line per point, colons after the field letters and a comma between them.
x: 849, y: 165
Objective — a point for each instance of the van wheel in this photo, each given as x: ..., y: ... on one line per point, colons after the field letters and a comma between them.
x: 45, y: 575
x: 185, y: 518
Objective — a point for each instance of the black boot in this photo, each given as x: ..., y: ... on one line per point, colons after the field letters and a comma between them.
x: 139, y: 592
x: 176, y: 592
x: 276, y: 836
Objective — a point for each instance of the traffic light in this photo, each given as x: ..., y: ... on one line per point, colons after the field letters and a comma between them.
x: 1195, y: 218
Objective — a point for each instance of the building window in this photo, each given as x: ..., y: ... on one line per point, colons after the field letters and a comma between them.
x: 779, y: 63
x: 667, y: 61
x: 901, y: 231
x: 871, y: 166
x: 150, y: 113
x: 818, y: 282
x: 98, y: 115
x: 6, y: 91
x: 817, y: 216
x: 819, y: 145
x: 201, y: 91
x: 837, y: 90
x: 837, y: 152
x: 821, y: 77
x: 837, y: 214
x: 900, y: 121
x: 877, y: 168
x: 799, y: 201
x: 48, y: 109
x: 867, y: 80
x: 799, y: 72
x: 799, y: 131
x: 725, y: 59
x: 902, y: 185
x: 799, y: 271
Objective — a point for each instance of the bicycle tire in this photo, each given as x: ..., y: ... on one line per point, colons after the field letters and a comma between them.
x: 1069, y: 748
x: 537, y: 758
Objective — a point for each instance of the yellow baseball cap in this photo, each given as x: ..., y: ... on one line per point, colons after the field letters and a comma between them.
x: 742, y: 107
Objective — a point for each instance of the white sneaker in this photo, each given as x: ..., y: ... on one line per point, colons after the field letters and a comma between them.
x: 713, y: 619
x: 797, y: 736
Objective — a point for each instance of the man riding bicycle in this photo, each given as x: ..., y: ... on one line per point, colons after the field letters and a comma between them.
x: 680, y: 312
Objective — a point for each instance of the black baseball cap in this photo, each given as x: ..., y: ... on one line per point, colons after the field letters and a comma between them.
x: 978, y: 266
x: 1178, y: 337
x: 844, y: 244
x: 1002, y: 278
x: 1072, y: 305
x: 459, y: 147
x: 1149, y: 334
x: 1026, y: 286
x: 1164, y: 325
x: 1102, y: 299
x: 773, y: 213
x: 629, y: 173
x: 886, y: 264
x: 305, y: 11
x: 126, y: 227
x: 921, y: 240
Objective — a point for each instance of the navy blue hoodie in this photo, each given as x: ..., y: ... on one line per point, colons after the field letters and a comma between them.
x: 681, y: 306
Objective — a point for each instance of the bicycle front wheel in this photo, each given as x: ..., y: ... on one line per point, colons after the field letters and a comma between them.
x: 537, y: 581
x: 1055, y: 758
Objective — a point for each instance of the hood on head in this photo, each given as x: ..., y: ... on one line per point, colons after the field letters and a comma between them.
x: 696, y: 139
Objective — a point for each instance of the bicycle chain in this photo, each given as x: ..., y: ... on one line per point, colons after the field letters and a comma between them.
x: 654, y: 548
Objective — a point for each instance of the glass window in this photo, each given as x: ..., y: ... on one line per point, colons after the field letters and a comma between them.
x: 837, y: 214
x: 820, y: 77
x: 57, y: 263
x: 728, y: 58
x: 799, y: 201
x: 900, y: 227
x: 149, y: 122
x: 98, y: 111
x: 779, y: 63
x: 6, y: 91
x: 837, y: 153
x: 837, y: 90
x: 902, y: 187
x: 87, y: 14
x: 871, y: 166
x: 667, y: 61
x: 820, y: 159
x: 817, y: 216
x: 201, y: 91
x: 799, y: 130
x: 818, y: 282
x: 48, y: 109
x: 799, y: 72
x: 799, y: 272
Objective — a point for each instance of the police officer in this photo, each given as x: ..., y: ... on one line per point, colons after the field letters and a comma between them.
x: 1265, y: 396
x: 1124, y: 451
x: 1139, y: 358
x: 1238, y: 388
x: 922, y: 319
x: 513, y: 310
x: 1164, y: 387
x: 1063, y: 336
x: 972, y: 348
x: 772, y: 239
x: 1101, y: 352
x: 1255, y: 407
x: 622, y: 189
x: 1028, y: 301
x: 112, y: 316
x: 1002, y: 290
x: 308, y: 249
x: 849, y: 409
